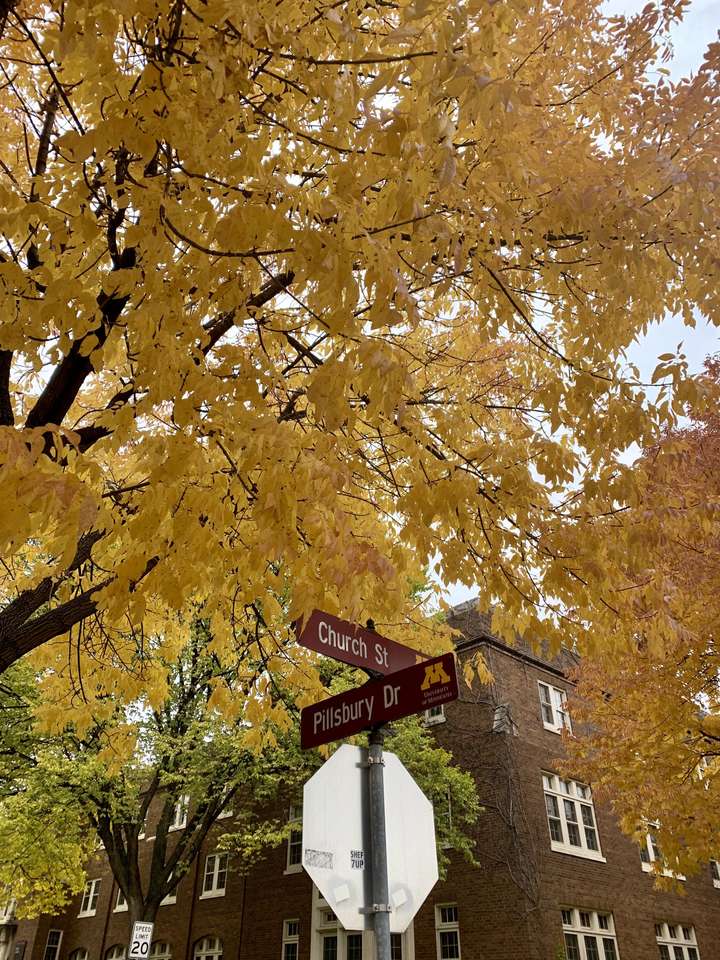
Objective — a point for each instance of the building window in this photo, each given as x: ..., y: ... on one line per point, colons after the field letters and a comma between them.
x: 89, y: 899
x: 353, y: 947
x: 571, y: 817
x: 291, y: 939
x: 447, y: 931
x: 160, y: 951
x: 589, y: 935
x: 79, y: 954
x: 294, y: 844
x: 180, y: 813
x: 715, y: 872
x: 121, y: 903
x: 52, y: 946
x: 215, y: 877
x: 116, y: 952
x: 209, y: 948
x: 395, y: 947
x: 435, y: 715
x: 7, y: 912
x: 553, y: 706
x: 676, y: 942
x: 172, y: 896
x: 651, y: 854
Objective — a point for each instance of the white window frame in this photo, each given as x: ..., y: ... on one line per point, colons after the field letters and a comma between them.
x: 294, y: 817
x: 650, y: 854
x: 218, y: 866
x: 88, y: 904
x: 213, y: 950
x: 581, y: 923
x: 121, y: 904
x: 715, y: 872
x: 116, y: 952
x: 55, y: 947
x: 180, y: 813
x: 291, y: 938
x: 435, y: 715
x: 674, y: 936
x: 441, y: 927
x: 565, y: 794
x: 556, y: 706
x: 157, y: 954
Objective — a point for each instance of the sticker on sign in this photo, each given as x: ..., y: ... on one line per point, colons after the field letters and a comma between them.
x: 140, y: 940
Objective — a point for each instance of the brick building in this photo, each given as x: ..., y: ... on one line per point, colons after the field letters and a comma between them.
x: 556, y: 879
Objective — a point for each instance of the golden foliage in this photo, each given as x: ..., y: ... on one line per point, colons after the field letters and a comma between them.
x: 653, y: 704
x: 298, y: 299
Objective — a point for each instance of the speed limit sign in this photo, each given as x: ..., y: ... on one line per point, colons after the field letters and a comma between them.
x: 140, y: 941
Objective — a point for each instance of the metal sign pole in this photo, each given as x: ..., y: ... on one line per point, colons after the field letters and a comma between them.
x: 378, y: 845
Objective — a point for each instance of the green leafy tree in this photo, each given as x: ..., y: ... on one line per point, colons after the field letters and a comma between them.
x: 95, y: 784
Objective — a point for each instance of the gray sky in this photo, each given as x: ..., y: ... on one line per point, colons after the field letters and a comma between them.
x: 700, y: 27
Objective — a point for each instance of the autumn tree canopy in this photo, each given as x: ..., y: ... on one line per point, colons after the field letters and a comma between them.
x: 653, y: 704
x: 311, y: 296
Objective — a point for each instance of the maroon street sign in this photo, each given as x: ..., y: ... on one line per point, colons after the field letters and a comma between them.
x: 353, y: 644
x: 412, y: 690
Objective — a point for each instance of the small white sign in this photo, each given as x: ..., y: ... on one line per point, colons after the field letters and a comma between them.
x: 140, y: 940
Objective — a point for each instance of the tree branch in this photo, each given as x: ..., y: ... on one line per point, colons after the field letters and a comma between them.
x: 59, y: 620
x: 223, y: 323
x: 7, y: 418
x: 68, y: 377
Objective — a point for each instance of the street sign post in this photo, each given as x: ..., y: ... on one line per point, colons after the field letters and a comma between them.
x: 140, y: 940
x: 417, y: 688
x: 382, y: 864
x: 353, y: 644
x: 337, y: 843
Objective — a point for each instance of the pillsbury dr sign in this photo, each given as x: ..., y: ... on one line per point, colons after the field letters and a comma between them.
x: 412, y: 690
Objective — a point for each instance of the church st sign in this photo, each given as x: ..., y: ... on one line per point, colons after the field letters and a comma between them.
x: 353, y: 644
x: 412, y: 690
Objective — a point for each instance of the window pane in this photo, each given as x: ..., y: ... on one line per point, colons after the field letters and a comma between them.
x: 679, y: 953
x: 354, y: 946
x: 449, y: 945
x: 330, y: 948
x: 290, y: 951
x: 591, y: 949
x: 585, y: 919
x: 572, y: 948
x: 591, y: 839
x: 567, y: 917
x: 571, y: 823
x: 664, y: 952
x: 295, y: 848
x: 449, y: 914
x: 395, y: 947
x: 603, y: 921
x: 609, y: 949
x: 692, y: 953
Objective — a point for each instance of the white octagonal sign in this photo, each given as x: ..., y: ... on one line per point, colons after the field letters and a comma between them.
x: 336, y: 839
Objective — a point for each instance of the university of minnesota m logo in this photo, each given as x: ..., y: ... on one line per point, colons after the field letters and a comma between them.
x: 434, y: 674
